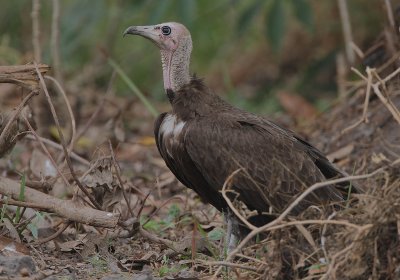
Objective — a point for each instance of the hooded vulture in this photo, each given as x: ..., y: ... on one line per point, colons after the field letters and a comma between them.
x: 204, y: 140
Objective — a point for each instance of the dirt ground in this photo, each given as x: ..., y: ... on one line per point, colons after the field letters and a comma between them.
x: 166, y: 232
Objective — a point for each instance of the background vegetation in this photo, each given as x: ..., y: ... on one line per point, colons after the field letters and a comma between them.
x: 246, y: 50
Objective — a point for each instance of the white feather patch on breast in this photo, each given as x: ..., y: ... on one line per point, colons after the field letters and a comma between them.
x: 171, y: 128
x: 171, y: 125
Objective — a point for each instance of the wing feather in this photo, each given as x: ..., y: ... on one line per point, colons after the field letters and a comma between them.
x: 276, y: 167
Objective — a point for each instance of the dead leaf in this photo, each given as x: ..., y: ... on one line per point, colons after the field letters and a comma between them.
x: 74, y: 245
x: 9, y: 247
x: 297, y: 106
x: 100, y: 174
x: 12, y: 230
x: 341, y: 153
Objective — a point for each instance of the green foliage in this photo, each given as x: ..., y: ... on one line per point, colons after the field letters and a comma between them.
x: 33, y: 226
x: 166, y: 268
x: 248, y: 14
x: 221, y: 31
x: 133, y: 87
x: 276, y: 24
x: 216, y: 234
x: 209, y: 244
x: 275, y: 16
x: 99, y: 263
x: 16, y: 219
x: 303, y: 13
x: 170, y: 221
x: 173, y: 213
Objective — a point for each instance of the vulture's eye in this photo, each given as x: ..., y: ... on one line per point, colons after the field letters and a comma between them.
x: 166, y: 30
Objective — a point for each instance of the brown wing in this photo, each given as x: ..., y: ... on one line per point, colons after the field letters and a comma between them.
x: 276, y: 166
x: 182, y: 166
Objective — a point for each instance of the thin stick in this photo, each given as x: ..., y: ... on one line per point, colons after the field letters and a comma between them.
x: 389, y: 11
x: 296, y: 202
x: 229, y: 202
x: 375, y: 86
x: 55, y: 40
x: 62, y: 139
x: 53, y: 236
x: 46, y: 151
x: 58, y: 146
x: 229, y: 264
x: 16, y: 113
x: 37, y: 53
x: 251, y: 259
x: 364, y: 117
x: 170, y: 244
x: 96, y: 112
x: 71, y: 114
x: 393, y: 110
x: 133, y: 87
x: 346, y: 26
x: 121, y: 184
x: 159, y: 208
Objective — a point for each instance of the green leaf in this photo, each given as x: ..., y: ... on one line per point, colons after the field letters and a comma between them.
x: 304, y: 13
x: 248, y: 15
x: 152, y: 226
x: 34, y: 230
x: 216, y: 234
x: 276, y: 23
x: 173, y: 212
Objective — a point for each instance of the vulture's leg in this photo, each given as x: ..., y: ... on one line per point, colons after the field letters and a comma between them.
x: 232, y: 231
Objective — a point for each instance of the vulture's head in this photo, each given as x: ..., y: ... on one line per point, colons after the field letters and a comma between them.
x: 175, y: 44
x: 167, y: 36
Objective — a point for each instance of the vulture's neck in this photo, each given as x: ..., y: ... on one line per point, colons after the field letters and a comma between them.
x: 176, y: 65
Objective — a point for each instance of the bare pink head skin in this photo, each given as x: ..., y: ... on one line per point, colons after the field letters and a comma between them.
x: 175, y: 44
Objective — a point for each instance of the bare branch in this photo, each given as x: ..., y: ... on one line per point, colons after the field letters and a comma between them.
x: 64, y: 208
x: 37, y: 52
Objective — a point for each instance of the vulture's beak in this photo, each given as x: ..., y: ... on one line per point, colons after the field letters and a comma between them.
x: 148, y: 32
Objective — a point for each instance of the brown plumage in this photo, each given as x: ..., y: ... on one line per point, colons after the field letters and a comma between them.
x: 218, y: 139
x: 203, y: 140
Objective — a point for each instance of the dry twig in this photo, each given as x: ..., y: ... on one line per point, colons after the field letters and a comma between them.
x: 275, y: 223
x: 64, y: 208
x: 37, y: 52
x: 346, y: 25
x: 55, y: 40
x: 53, y: 236
x: 63, y: 143
x: 18, y: 110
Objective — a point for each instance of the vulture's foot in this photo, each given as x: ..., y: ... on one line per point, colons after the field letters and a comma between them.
x: 232, y: 232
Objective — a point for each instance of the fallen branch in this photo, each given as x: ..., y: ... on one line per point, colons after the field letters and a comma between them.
x: 64, y: 208
x: 22, y: 75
